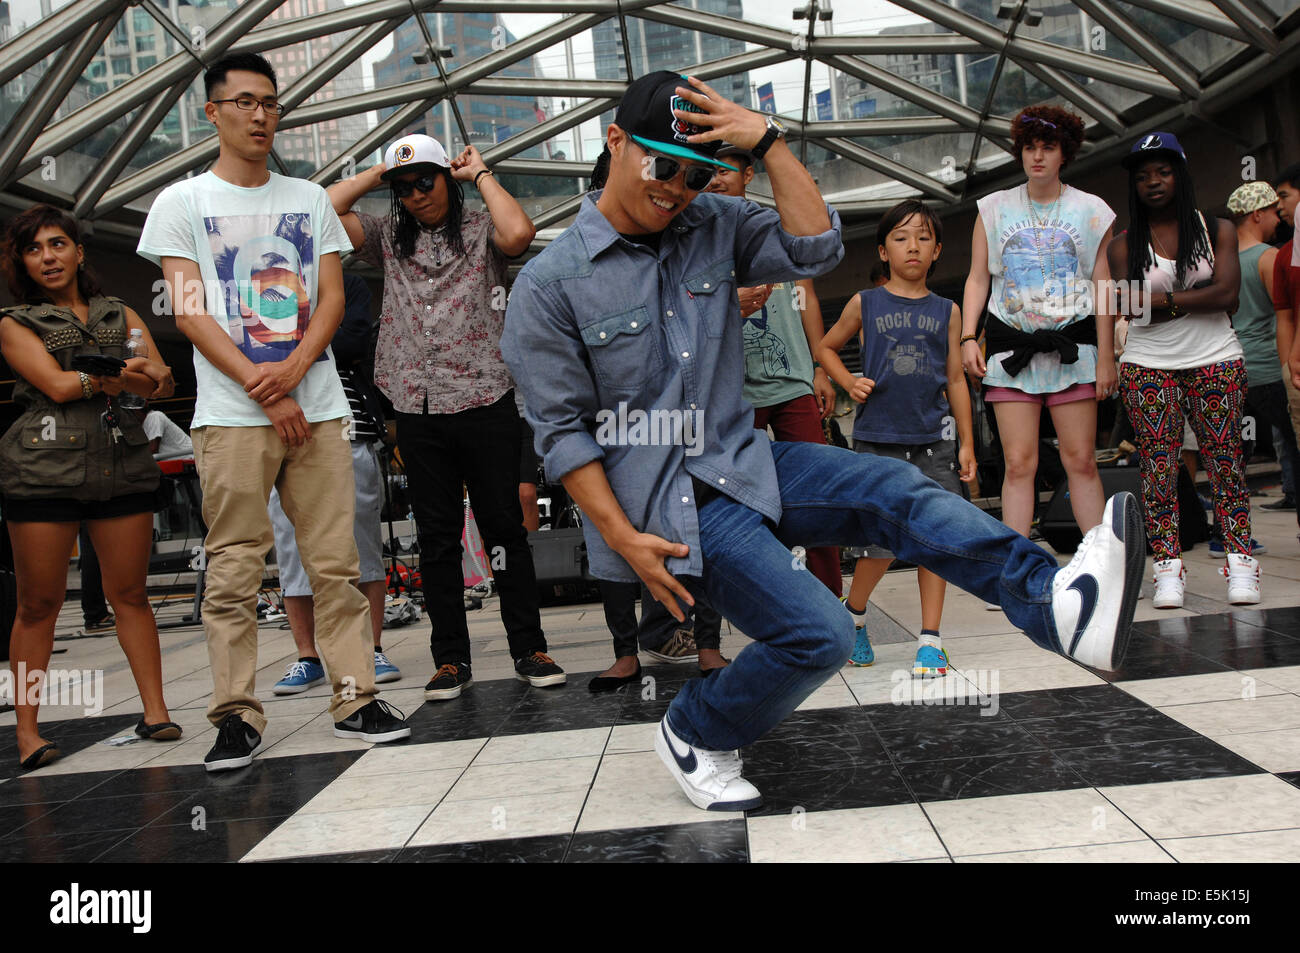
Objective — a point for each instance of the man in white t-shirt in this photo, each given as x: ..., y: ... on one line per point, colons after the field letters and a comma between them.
x: 166, y: 440
x: 252, y: 268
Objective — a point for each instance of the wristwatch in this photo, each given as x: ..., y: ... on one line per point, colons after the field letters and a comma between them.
x: 775, y: 131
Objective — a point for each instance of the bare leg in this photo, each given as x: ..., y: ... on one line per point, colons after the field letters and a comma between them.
x: 867, y: 574
x: 302, y: 623
x: 1076, y: 429
x: 129, y: 539
x: 41, y: 554
x: 933, y: 589
x: 528, y: 502
x: 1018, y: 429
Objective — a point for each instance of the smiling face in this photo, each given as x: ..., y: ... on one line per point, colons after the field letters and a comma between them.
x: 247, y: 133
x: 910, y: 249
x: 1042, y: 161
x: 1156, y: 181
x: 727, y: 182
x: 52, y: 259
x: 634, y: 201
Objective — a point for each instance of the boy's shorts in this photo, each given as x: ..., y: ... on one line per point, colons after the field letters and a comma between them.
x: 936, y: 460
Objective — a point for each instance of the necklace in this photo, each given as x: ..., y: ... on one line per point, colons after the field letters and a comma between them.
x: 1159, y: 247
x: 1038, y: 225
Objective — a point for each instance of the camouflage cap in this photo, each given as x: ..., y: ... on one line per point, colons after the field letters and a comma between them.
x: 1251, y: 197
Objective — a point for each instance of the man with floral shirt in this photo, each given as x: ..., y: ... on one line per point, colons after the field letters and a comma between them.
x: 439, y: 361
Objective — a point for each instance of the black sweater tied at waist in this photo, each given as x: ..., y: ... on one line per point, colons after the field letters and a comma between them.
x: 1023, y: 345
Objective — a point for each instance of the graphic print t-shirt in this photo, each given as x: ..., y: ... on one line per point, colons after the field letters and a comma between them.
x: 1041, y: 278
x: 259, y: 253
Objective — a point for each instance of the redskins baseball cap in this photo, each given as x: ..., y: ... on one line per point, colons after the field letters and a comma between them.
x: 646, y: 114
x: 411, y: 152
x: 1154, y: 144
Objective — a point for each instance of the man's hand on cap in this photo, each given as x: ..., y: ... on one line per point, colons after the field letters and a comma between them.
x: 467, y: 165
x: 724, y: 119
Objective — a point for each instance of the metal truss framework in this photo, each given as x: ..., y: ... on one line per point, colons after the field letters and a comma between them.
x: 1171, y: 86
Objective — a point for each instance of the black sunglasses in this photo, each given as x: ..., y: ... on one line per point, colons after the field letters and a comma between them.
x: 665, y: 169
x: 425, y: 183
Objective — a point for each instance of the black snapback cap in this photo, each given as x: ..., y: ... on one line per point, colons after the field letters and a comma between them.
x: 646, y: 114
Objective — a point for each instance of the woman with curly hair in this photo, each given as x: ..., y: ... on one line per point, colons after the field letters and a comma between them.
x: 1183, y: 359
x: 74, y: 455
x: 1039, y: 248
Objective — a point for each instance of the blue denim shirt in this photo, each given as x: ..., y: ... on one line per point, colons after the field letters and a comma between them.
x: 635, y: 358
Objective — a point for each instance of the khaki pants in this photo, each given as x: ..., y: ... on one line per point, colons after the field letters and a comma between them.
x: 237, y: 468
x: 1293, y: 401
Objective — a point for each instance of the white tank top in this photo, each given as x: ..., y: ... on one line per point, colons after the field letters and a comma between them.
x: 1194, y: 340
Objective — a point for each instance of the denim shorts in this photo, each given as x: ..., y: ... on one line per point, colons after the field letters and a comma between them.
x: 937, y: 460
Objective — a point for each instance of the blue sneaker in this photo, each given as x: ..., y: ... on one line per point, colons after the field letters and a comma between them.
x: 930, y: 662
x: 862, y: 653
x: 385, y: 671
x: 1217, y: 551
x: 300, y: 677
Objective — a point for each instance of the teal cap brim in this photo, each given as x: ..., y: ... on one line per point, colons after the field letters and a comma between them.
x: 672, y: 149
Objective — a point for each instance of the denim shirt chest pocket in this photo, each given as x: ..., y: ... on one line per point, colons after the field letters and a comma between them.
x: 713, y: 292
x: 625, y: 350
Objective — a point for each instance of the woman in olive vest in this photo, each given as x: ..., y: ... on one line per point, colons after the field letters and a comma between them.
x: 74, y: 455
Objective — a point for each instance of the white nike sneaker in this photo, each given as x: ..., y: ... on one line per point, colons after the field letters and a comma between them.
x: 1093, y: 597
x: 711, y: 779
x: 1243, y: 579
x: 1171, y: 582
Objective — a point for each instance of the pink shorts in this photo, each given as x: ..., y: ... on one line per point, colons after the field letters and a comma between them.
x: 993, y: 395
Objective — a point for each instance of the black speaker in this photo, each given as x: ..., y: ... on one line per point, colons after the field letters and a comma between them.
x: 1057, y: 523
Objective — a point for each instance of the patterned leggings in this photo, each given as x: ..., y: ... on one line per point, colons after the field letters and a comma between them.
x: 1213, y: 397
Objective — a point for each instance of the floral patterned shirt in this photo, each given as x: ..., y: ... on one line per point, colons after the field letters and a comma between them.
x: 440, y: 327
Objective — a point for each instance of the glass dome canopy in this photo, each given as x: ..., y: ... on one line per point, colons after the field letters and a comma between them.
x: 102, y: 100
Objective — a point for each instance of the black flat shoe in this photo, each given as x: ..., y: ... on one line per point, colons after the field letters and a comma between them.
x: 163, y: 731
x: 609, y: 683
x: 41, y: 757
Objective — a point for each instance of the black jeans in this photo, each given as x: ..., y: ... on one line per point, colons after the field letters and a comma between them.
x: 1267, y: 403
x: 479, y: 448
x: 93, y: 606
x: 657, y: 624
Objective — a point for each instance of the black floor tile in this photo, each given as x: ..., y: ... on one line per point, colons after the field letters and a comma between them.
x: 1087, y: 729
x: 1276, y: 655
x: 1184, y: 759
x: 934, y: 717
x: 642, y: 712
x: 271, y: 798
x: 1291, y: 777
x: 71, y: 735
x: 18, y: 816
x: 964, y: 740
x: 219, y: 842
x: 1285, y: 621
x: 88, y: 815
x: 1237, y: 636
x: 715, y: 842
x: 1179, y: 629
x: 1052, y: 702
x: 1029, y: 772
x: 1162, y: 660
x: 514, y: 850
x: 563, y: 709
x: 36, y: 788
x: 75, y: 848
x: 851, y: 785
x: 817, y: 740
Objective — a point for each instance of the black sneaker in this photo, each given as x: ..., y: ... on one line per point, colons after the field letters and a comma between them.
x: 539, y: 670
x: 234, y: 747
x: 448, y: 682
x: 377, y: 722
x: 1286, y: 503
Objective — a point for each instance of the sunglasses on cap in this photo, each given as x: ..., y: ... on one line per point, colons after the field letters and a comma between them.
x: 665, y: 169
x: 425, y: 183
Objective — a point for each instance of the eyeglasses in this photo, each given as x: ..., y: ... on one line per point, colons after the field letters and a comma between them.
x: 665, y: 169
x: 248, y: 104
x: 425, y: 183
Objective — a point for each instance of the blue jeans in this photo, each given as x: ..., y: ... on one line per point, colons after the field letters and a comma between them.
x: 801, y: 633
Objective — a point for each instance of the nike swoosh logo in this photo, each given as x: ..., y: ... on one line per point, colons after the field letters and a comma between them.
x: 688, y: 764
x: 1086, y: 587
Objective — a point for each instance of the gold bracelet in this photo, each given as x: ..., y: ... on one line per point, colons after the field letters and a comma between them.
x: 480, y: 175
x: 968, y: 337
x: 87, y: 386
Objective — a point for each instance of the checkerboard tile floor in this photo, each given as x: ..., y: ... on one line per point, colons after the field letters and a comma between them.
x: 1190, y: 753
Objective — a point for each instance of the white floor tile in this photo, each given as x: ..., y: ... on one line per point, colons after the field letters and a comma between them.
x: 1270, y: 847
x: 401, y: 758
x: 861, y: 835
x: 363, y: 792
x: 525, y: 777
x: 1193, y: 689
x: 497, y: 818
x: 1275, y: 751
x: 1221, y: 719
x: 1233, y: 805
x: 543, y: 746
x: 1129, y: 852
x: 1020, y: 822
x: 636, y: 790
x: 342, y: 831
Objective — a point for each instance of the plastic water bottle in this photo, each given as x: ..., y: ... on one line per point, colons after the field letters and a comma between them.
x: 135, y: 347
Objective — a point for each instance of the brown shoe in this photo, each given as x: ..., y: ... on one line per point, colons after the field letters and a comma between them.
x: 679, y: 649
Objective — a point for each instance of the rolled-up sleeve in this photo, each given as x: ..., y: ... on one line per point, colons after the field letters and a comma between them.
x: 543, y: 349
x: 766, y: 252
